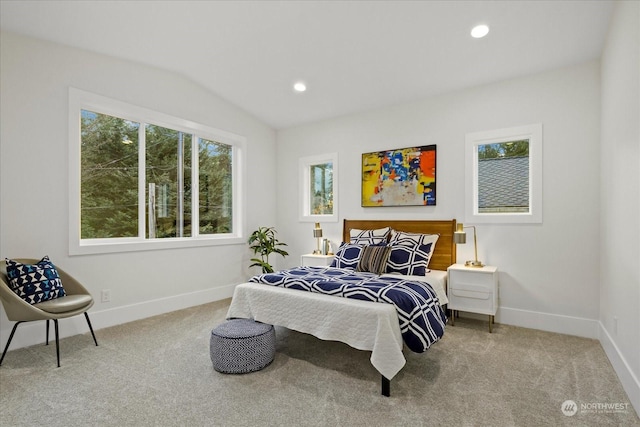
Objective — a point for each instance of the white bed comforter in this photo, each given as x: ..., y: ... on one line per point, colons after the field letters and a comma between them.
x: 372, y: 326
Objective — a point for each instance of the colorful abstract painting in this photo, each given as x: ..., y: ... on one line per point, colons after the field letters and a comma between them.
x: 402, y: 177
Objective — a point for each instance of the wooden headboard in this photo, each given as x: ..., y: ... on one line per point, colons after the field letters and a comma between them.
x: 445, y: 252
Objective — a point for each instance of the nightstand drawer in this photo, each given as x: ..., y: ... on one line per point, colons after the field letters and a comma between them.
x: 471, y: 281
x: 477, y: 302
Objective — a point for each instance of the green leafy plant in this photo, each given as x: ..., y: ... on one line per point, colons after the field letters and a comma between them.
x: 263, y: 242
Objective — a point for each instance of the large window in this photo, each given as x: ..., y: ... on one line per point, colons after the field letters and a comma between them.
x: 140, y: 179
x: 504, y: 175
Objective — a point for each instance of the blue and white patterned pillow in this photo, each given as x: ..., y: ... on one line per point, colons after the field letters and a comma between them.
x: 410, y: 252
x: 35, y: 283
x: 348, y: 256
x: 369, y: 237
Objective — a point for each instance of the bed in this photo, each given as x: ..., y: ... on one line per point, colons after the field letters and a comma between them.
x: 362, y: 324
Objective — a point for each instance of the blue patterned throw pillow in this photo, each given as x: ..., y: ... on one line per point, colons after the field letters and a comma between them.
x: 348, y: 256
x: 410, y: 253
x: 34, y: 283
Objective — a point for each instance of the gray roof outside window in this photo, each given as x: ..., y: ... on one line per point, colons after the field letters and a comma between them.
x: 503, y: 182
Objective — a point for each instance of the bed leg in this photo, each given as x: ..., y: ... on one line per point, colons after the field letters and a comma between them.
x: 386, y: 386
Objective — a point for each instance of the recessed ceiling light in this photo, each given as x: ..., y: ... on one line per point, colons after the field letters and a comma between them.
x: 479, y: 31
x: 299, y: 87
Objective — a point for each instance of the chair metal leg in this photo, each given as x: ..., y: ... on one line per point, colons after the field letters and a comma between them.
x: 86, y: 316
x: 13, y: 331
x: 6, y: 347
x: 55, y: 323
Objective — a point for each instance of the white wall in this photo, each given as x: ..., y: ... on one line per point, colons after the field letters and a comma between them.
x: 577, y: 270
x: 549, y: 272
x: 620, y: 197
x: 35, y: 77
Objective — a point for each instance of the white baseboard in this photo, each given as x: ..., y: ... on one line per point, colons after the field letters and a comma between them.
x: 578, y: 326
x: 629, y: 381
x: 33, y: 333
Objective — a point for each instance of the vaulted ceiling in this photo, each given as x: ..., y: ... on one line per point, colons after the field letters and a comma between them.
x: 352, y: 55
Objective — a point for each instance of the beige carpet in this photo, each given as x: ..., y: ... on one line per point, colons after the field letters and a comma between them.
x: 157, y: 372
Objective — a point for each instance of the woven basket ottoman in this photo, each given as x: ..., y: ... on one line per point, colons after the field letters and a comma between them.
x: 239, y: 346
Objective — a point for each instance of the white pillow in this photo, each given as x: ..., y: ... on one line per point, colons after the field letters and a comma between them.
x: 369, y: 237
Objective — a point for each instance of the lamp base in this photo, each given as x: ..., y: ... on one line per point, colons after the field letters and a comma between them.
x: 317, y: 252
x: 476, y: 264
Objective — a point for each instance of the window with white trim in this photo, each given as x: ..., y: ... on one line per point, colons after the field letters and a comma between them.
x: 504, y: 175
x: 140, y: 179
x: 319, y: 188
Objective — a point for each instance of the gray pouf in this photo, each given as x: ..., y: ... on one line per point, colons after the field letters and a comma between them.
x: 239, y: 346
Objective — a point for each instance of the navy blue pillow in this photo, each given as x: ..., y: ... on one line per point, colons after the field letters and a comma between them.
x: 410, y: 252
x: 35, y: 283
x: 348, y: 256
x: 409, y: 260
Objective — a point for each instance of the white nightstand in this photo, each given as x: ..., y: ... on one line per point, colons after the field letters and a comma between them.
x: 312, y: 260
x: 473, y: 289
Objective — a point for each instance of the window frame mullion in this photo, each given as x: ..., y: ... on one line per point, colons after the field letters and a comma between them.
x: 142, y: 181
x: 195, y: 186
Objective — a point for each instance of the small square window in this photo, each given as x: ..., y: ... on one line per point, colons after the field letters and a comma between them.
x: 504, y: 175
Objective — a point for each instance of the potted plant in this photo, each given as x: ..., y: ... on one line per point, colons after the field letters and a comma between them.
x: 263, y: 241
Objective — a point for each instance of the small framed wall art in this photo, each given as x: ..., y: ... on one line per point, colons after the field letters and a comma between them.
x: 400, y: 177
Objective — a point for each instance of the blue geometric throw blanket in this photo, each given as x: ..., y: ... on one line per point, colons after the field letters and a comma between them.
x: 421, y: 317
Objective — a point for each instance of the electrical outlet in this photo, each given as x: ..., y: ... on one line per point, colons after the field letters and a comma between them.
x: 106, y: 295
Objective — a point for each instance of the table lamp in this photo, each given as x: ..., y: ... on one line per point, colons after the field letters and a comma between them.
x: 317, y: 233
x: 459, y: 236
